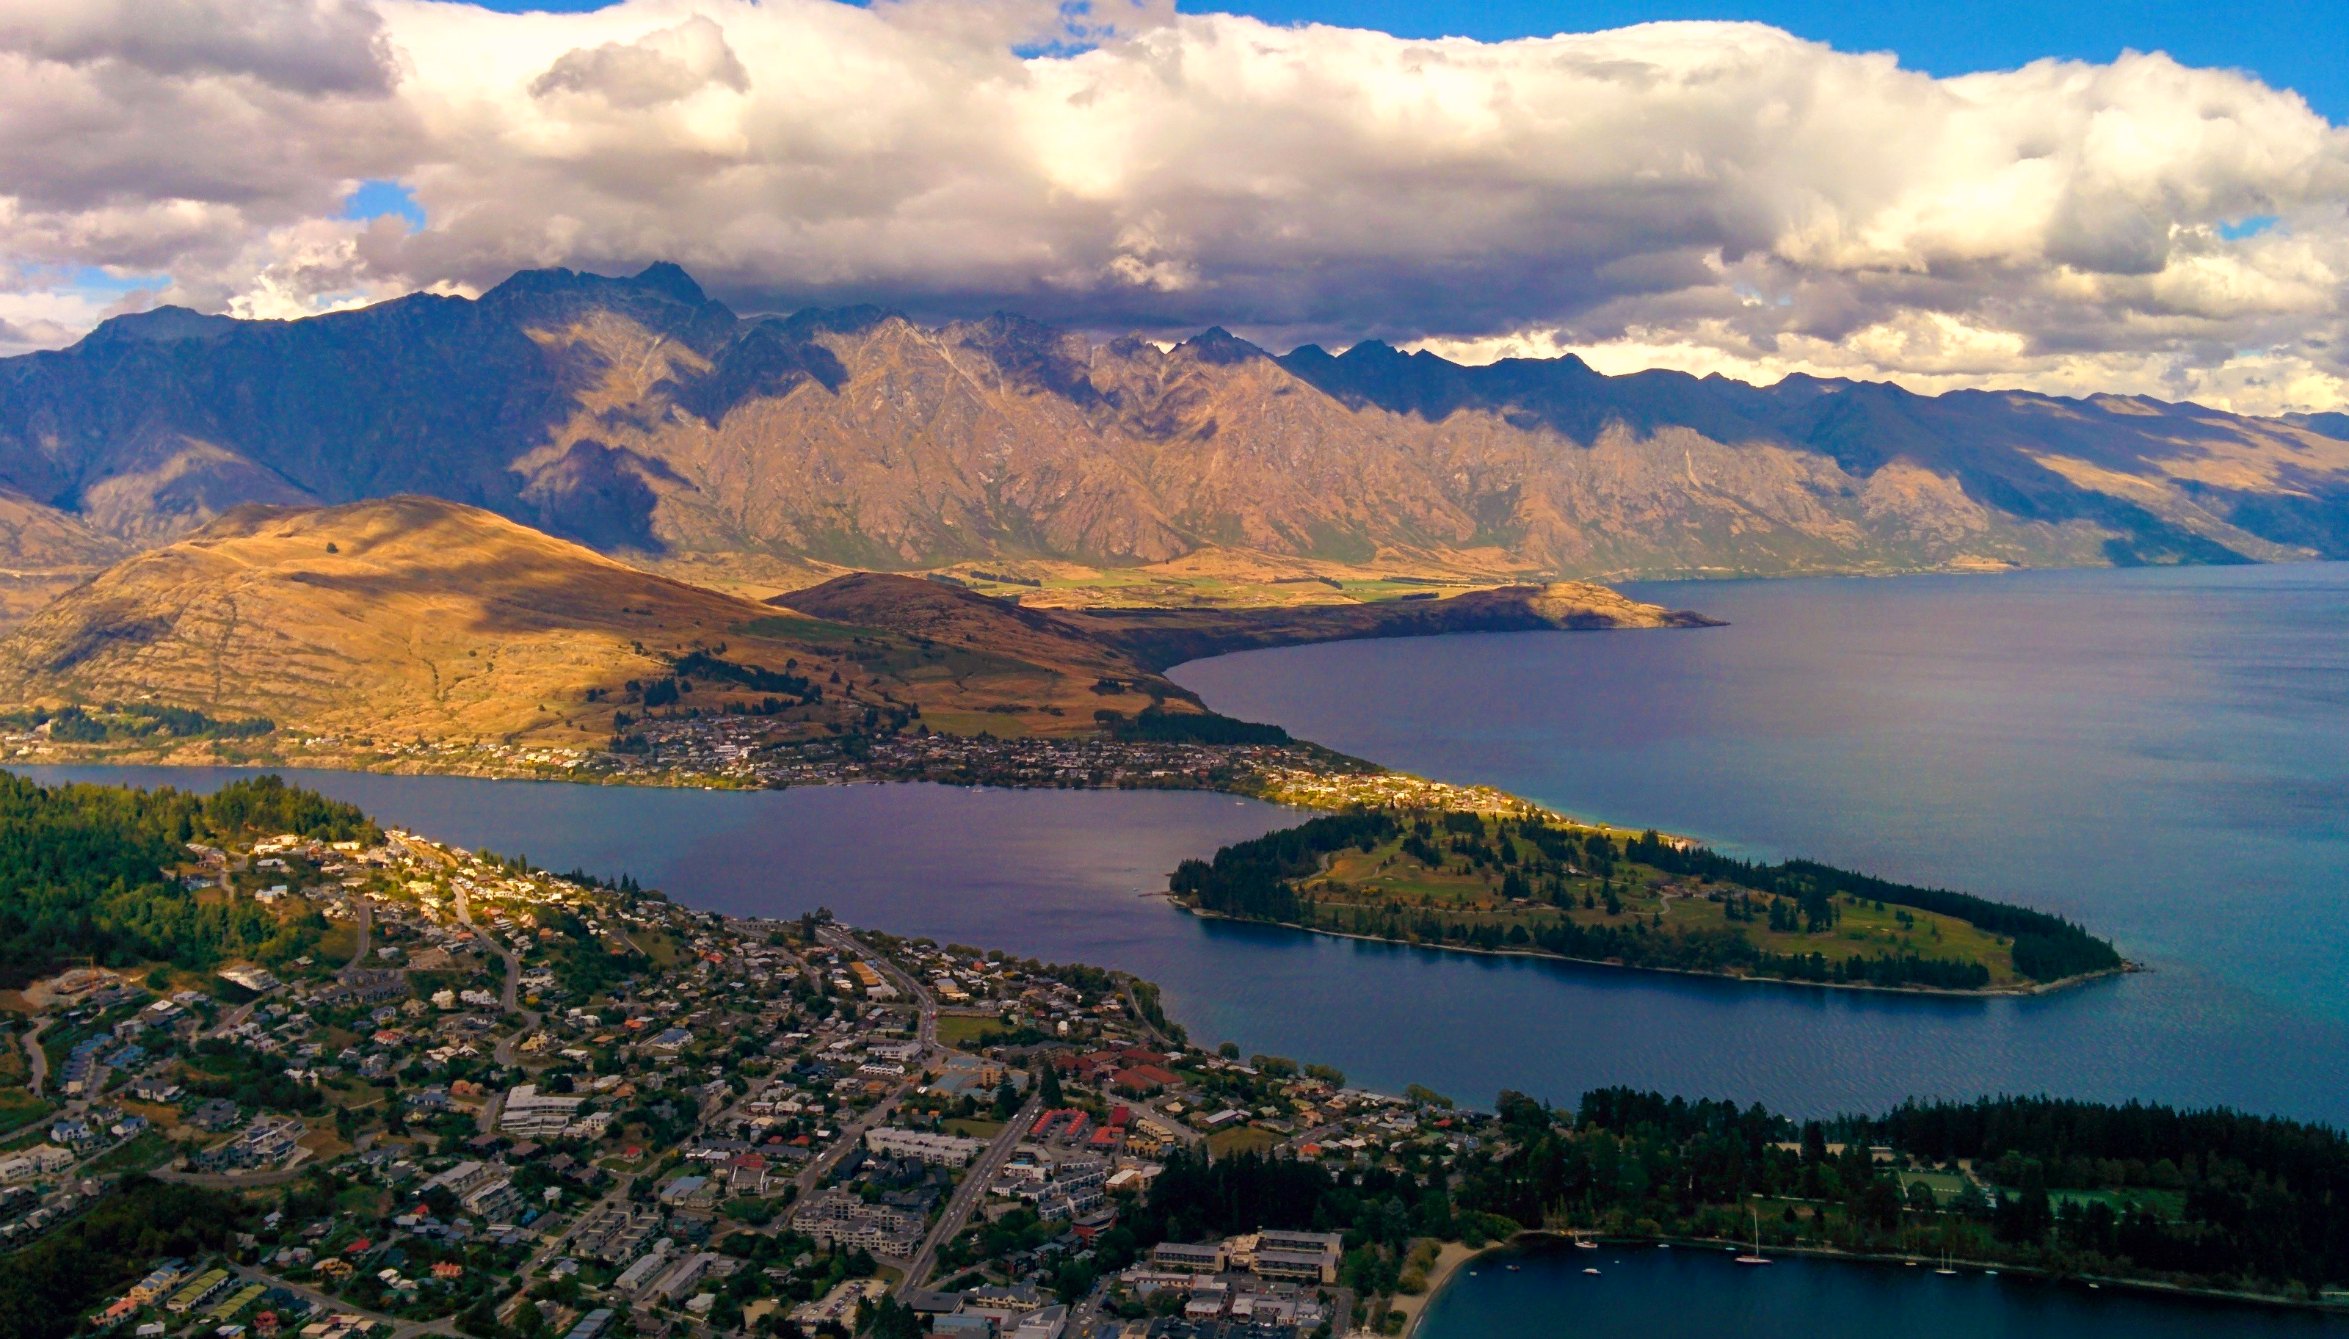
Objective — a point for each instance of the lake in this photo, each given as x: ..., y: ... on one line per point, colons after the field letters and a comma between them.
x: 1642, y: 1292
x: 2160, y: 754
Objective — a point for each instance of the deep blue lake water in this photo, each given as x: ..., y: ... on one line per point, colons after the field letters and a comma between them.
x: 1644, y: 1293
x: 2164, y: 755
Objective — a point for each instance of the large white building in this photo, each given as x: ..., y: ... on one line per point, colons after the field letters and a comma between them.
x: 527, y: 1111
x: 945, y: 1150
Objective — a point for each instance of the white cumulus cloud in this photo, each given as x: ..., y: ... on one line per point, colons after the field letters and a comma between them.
x: 1715, y: 196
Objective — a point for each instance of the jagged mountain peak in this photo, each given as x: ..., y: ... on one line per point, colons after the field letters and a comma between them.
x: 670, y: 278
x: 1219, y: 346
x: 161, y: 325
x: 637, y: 414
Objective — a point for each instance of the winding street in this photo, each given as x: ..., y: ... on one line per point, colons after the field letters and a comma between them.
x: 510, y: 1002
x: 36, y: 1060
x: 366, y: 929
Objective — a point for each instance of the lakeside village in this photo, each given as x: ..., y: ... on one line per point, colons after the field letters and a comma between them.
x: 487, y: 1101
x: 515, y: 1103
x: 730, y: 752
x: 706, y: 752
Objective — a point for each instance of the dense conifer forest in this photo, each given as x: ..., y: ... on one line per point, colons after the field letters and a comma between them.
x: 89, y: 872
x: 1471, y: 881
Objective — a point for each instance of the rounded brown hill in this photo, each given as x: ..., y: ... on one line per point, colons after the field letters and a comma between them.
x: 413, y: 619
x: 408, y: 618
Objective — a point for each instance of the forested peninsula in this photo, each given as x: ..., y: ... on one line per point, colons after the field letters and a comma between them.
x: 1537, y: 884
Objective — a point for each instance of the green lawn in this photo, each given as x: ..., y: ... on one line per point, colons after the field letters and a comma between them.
x: 1245, y: 1139
x: 147, y: 1150
x: 19, y: 1108
x: 961, y: 1030
x: 1946, y: 1186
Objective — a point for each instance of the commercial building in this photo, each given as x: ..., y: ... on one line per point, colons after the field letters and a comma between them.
x: 1191, y: 1257
x: 1300, y: 1257
x: 530, y: 1112
x: 944, y: 1150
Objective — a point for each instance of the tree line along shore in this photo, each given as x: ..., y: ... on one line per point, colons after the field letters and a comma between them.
x: 628, y: 991
x: 1531, y: 882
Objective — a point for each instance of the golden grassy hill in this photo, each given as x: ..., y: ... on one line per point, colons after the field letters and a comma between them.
x: 43, y: 553
x: 934, y: 611
x: 416, y: 619
x: 1135, y: 643
x: 1162, y: 638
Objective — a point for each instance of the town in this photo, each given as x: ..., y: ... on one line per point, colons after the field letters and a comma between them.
x: 735, y: 752
x: 491, y: 1100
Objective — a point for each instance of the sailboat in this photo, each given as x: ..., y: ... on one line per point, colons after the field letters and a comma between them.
x: 1756, y: 1258
x: 1945, y: 1269
x: 1583, y: 1243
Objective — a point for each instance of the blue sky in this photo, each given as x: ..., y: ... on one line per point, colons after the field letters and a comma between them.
x: 2298, y: 44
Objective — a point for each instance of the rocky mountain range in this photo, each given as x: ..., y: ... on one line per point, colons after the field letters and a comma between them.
x: 640, y: 417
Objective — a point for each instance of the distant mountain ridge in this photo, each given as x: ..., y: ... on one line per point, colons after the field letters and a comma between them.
x: 638, y: 416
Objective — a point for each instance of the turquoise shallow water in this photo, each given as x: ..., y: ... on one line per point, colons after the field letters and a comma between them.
x: 1646, y: 1293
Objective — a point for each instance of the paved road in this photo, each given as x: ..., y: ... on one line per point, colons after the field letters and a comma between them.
x: 814, y: 1173
x: 366, y: 929
x: 967, y: 1195
x: 235, y: 1018
x: 36, y: 1060
x: 926, y: 1005
x: 553, y: 1246
x: 510, y: 1000
x: 925, y: 1031
x: 276, y: 1176
x: 1134, y: 1006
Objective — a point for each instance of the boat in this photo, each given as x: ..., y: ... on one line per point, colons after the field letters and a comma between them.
x: 1590, y: 1271
x: 1582, y: 1243
x: 1755, y: 1257
x: 1945, y: 1269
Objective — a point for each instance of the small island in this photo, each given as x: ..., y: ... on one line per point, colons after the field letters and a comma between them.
x: 1523, y: 880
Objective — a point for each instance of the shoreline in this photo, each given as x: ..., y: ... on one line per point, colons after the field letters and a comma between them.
x: 1263, y: 794
x: 2127, y: 967
x: 1451, y: 1256
x: 582, y: 777
x: 2157, y: 1287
